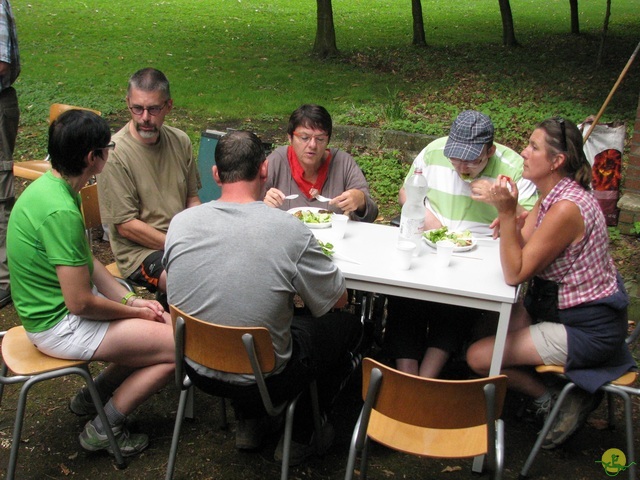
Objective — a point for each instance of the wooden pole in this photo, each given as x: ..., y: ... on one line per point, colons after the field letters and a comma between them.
x: 615, y: 87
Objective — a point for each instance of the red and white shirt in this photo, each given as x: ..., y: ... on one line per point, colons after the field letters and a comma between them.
x: 584, y: 271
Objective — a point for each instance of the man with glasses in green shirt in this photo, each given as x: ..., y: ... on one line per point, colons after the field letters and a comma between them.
x: 149, y: 178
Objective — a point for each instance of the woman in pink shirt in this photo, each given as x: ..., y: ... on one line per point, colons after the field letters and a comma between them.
x: 575, y: 310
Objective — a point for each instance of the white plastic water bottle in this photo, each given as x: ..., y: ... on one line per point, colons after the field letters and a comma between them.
x: 413, y: 210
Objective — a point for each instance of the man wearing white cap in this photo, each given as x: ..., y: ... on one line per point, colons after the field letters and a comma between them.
x: 458, y: 167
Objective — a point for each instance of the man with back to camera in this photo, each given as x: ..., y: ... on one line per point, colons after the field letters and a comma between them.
x: 150, y: 177
x: 256, y: 258
x: 458, y: 168
x: 9, y: 119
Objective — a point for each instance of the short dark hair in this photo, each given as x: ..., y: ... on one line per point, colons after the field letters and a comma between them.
x: 239, y: 155
x: 150, y: 80
x: 310, y: 116
x: 72, y: 136
x: 563, y: 136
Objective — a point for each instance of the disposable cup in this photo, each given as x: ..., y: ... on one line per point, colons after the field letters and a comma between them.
x: 403, y: 254
x: 444, y: 249
x: 339, y: 225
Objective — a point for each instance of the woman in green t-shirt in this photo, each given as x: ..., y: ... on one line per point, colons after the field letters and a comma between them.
x: 69, y: 304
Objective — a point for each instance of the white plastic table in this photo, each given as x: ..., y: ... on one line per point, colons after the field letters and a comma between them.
x: 473, y: 279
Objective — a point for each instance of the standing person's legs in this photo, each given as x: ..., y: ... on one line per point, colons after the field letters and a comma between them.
x: 9, y: 120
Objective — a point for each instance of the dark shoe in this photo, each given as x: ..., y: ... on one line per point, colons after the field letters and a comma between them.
x: 130, y: 444
x: 572, y: 416
x: 301, y: 451
x: 81, y: 406
x: 5, y: 297
x: 538, y: 413
x: 250, y: 433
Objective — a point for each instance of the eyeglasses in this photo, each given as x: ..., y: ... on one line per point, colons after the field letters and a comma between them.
x: 305, y: 138
x: 564, y: 133
x: 153, y: 110
x: 470, y: 163
x: 110, y: 146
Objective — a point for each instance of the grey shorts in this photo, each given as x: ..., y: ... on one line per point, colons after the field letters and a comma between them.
x: 550, y: 340
x: 72, y: 338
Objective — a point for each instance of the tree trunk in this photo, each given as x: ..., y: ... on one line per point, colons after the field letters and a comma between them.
x: 508, y: 34
x: 419, y: 38
x: 325, y: 44
x: 605, y: 29
x: 575, y: 21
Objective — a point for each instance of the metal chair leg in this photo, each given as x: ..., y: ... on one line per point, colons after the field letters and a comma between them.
x: 22, y: 404
x: 95, y: 396
x: 224, y: 424
x: 545, y: 429
x: 628, y: 418
x: 188, y: 412
x: 628, y: 421
x: 364, y: 459
x: 288, y: 434
x: 173, y: 452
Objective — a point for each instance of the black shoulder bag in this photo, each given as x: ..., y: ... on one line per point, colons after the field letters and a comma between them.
x: 541, y: 300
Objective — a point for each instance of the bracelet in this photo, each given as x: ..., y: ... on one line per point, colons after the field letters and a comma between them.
x: 126, y: 298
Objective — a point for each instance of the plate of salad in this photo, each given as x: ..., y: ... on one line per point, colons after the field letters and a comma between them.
x: 313, y: 217
x: 463, y: 240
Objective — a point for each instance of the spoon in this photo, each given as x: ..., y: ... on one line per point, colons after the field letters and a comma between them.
x: 291, y: 197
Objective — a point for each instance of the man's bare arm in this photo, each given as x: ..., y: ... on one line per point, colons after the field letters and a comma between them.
x: 142, y: 233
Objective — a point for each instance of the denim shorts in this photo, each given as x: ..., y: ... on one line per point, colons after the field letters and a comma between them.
x: 72, y: 338
x: 550, y: 340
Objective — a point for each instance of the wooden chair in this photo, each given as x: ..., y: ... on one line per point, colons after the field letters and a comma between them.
x: 429, y: 417
x: 92, y: 219
x: 32, y: 169
x: 24, y: 363
x: 237, y: 350
x: 621, y: 387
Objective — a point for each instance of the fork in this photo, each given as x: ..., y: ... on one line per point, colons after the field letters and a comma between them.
x: 291, y: 197
x: 323, y: 199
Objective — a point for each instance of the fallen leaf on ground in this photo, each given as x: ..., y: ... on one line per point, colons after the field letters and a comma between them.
x: 451, y: 469
x: 599, y: 423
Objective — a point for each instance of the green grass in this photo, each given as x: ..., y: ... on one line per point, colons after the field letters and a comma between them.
x: 246, y: 63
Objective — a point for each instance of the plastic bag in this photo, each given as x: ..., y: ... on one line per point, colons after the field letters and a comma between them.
x: 604, y: 149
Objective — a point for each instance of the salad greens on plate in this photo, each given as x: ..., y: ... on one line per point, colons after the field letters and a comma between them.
x: 461, y: 239
x: 327, y: 248
x: 309, y: 216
